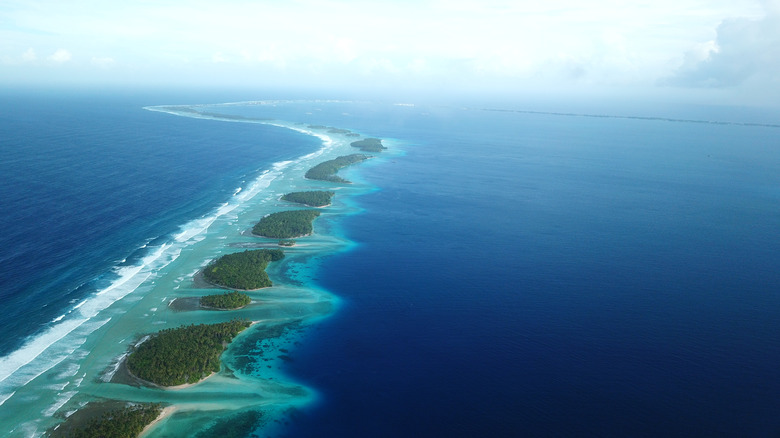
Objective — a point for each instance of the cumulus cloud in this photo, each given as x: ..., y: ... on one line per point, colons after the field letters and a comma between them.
x: 771, y: 6
x: 344, y: 49
x: 104, y: 62
x: 29, y: 55
x: 60, y: 56
x: 743, y: 50
x: 498, y: 43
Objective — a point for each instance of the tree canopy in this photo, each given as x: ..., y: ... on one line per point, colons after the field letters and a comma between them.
x: 183, y: 355
x: 242, y: 270
x: 286, y: 224
x: 326, y: 171
x: 120, y: 423
x: 369, y: 145
x: 227, y: 300
x: 317, y: 198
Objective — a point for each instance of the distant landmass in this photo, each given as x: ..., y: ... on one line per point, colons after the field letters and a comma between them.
x: 242, y: 270
x: 369, y: 145
x: 286, y: 224
x: 317, y: 198
x: 326, y: 171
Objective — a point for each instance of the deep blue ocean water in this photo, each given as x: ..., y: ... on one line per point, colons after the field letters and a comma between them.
x: 89, y: 180
x: 515, y: 274
x: 538, y: 275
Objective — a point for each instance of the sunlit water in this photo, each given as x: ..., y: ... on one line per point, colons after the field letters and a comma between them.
x: 492, y: 273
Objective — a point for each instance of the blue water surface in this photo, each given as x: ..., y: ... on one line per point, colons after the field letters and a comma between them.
x: 539, y: 275
x: 515, y: 274
x: 88, y: 180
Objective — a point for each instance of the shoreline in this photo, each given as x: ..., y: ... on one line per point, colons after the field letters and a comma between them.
x: 280, y: 238
x: 123, y: 374
x: 164, y: 414
x: 281, y: 198
x: 198, y: 281
x: 183, y: 385
x: 189, y: 304
x: 308, y: 205
x: 119, y: 371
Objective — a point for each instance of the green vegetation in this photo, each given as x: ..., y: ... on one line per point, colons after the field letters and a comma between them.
x: 286, y: 224
x: 229, y: 116
x: 228, y: 300
x: 286, y: 242
x: 312, y: 199
x: 316, y: 126
x: 242, y: 270
x: 183, y: 355
x: 326, y: 171
x: 369, y: 145
x: 120, y: 423
x: 183, y: 109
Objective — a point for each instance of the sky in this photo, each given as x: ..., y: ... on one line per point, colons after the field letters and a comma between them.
x: 721, y: 50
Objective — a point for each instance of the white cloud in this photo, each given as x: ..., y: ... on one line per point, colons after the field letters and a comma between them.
x: 60, y: 56
x: 29, y: 55
x: 743, y: 50
x: 345, y: 49
x: 771, y: 6
x: 459, y: 42
x: 103, y: 62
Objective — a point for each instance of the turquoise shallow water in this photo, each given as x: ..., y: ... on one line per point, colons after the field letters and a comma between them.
x: 73, y: 361
x: 508, y: 273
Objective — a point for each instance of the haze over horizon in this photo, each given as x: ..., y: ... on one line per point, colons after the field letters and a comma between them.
x: 712, y: 52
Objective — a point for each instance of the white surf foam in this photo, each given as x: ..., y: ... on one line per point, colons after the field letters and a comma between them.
x: 77, y: 382
x: 35, y: 346
x: 115, y: 364
x: 27, y: 430
x: 69, y: 371
x: 46, y: 350
x: 61, y: 400
x: 281, y: 165
x: 4, y: 397
x: 49, y: 348
x: 26, y: 372
x: 56, y: 386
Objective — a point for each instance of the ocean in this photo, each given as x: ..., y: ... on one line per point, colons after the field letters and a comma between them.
x: 532, y: 272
